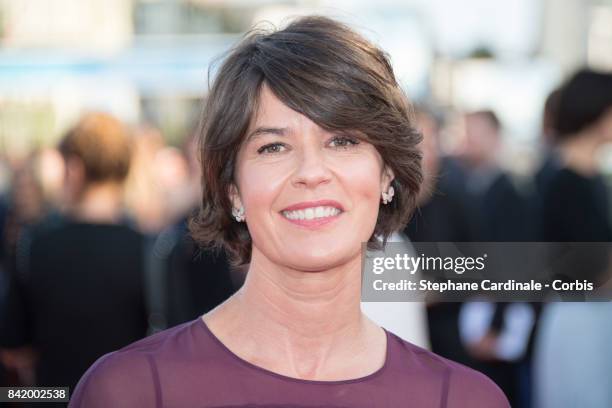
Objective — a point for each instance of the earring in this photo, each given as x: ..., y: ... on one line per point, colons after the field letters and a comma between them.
x: 388, y: 196
x: 238, y: 214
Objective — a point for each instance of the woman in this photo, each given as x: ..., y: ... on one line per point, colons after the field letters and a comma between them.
x: 571, y: 370
x: 305, y: 132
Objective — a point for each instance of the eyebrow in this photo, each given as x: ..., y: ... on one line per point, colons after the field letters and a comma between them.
x: 264, y: 130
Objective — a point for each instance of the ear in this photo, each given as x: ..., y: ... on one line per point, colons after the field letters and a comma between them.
x: 387, y: 178
x: 234, y: 196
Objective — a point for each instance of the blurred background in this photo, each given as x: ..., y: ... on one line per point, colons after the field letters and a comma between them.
x: 480, y: 73
x: 146, y: 61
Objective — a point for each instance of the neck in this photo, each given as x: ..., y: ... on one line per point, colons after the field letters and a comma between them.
x: 310, y: 320
x: 99, y: 203
x: 311, y: 304
x: 579, y: 153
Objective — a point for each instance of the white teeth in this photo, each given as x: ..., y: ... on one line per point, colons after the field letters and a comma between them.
x: 311, y: 213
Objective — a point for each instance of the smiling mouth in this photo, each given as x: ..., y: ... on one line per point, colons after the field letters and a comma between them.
x: 312, y: 213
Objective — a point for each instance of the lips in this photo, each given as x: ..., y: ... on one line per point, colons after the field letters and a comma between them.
x: 313, y: 214
x: 311, y: 204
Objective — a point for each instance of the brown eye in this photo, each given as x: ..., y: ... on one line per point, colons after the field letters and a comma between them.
x: 271, y: 148
x: 343, y: 142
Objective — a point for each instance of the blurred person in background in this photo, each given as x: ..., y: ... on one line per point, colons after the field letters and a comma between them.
x: 441, y: 216
x: 500, y: 208
x: 162, y: 190
x: 50, y: 169
x: 496, y: 335
x: 160, y: 186
x: 551, y: 161
x: 573, y: 357
x: 444, y: 215
x: 25, y: 206
x: 77, y: 289
x: 4, y: 380
x: 22, y: 207
x: 577, y: 188
x: 144, y: 199
x: 4, y: 210
x: 188, y: 280
x: 32, y: 197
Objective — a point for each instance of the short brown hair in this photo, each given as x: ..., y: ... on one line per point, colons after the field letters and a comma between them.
x: 326, y: 72
x: 103, y: 144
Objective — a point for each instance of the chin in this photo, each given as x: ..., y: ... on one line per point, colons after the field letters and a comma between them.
x: 320, y: 257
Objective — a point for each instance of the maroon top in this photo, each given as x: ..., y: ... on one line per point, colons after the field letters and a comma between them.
x: 187, y: 366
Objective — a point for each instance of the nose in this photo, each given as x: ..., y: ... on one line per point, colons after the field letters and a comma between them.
x: 311, y: 169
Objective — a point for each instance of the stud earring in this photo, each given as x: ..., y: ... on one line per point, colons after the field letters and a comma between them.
x: 238, y: 214
x: 388, y: 196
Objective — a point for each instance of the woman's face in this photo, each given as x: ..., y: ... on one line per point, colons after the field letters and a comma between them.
x: 311, y: 196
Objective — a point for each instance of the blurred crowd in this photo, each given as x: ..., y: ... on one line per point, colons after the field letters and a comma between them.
x: 95, y: 250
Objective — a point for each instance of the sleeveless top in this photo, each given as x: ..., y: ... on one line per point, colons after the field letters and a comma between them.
x: 187, y: 366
